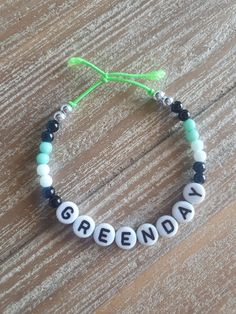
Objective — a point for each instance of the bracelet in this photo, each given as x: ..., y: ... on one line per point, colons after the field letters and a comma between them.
x: 125, y: 237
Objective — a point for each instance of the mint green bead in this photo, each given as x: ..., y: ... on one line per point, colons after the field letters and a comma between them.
x: 192, y: 135
x: 45, y: 147
x: 189, y: 124
x: 42, y: 158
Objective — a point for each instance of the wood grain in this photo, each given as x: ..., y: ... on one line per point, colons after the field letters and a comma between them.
x: 121, y: 158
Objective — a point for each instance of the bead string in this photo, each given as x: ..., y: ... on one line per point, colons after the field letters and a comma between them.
x: 125, y: 237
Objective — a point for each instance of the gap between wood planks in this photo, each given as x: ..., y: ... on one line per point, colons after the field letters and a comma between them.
x: 134, y: 160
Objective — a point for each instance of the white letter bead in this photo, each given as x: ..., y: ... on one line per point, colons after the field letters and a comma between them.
x: 194, y: 193
x: 183, y: 211
x: 43, y: 169
x: 147, y: 234
x: 45, y: 181
x: 167, y: 226
x: 84, y: 226
x: 126, y: 238
x: 104, y: 234
x: 200, y: 155
x: 67, y: 212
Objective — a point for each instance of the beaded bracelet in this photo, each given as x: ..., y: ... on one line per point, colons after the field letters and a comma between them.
x: 125, y: 237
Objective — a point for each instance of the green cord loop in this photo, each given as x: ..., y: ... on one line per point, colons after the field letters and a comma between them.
x: 114, y: 77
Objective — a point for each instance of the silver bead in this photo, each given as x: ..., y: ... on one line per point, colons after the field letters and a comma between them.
x: 168, y: 101
x: 66, y: 109
x: 159, y: 96
x: 59, y: 116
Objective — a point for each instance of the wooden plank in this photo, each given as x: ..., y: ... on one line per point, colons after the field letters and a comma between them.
x: 197, y: 276
x: 121, y: 158
x: 57, y: 266
x: 115, y: 128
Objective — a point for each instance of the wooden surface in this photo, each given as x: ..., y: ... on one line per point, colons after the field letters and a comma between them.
x: 121, y: 158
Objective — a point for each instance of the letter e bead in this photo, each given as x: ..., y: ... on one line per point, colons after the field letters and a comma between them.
x: 104, y: 234
x: 126, y: 238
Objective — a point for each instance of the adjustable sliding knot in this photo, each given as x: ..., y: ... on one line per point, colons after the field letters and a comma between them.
x: 105, y: 77
x: 120, y: 77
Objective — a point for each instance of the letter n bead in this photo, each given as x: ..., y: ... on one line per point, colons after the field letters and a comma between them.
x: 147, y: 234
x: 67, y: 212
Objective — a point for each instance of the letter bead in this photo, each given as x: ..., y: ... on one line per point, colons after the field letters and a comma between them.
x: 126, y: 238
x: 104, y: 234
x: 183, y: 211
x: 167, y: 226
x: 67, y: 212
x: 147, y: 234
x: 194, y: 193
x: 84, y: 226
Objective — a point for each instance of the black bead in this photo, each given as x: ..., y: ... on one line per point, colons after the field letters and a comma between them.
x: 47, y: 136
x: 52, y: 126
x: 199, y: 178
x: 55, y: 201
x: 48, y: 192
x: 184, y: 115
x: 199, y: 167
x: 176, y: 106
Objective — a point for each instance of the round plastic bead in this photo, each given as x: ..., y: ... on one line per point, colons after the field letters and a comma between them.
x: 67, y: 212
x: 104, y: 234
x: 194, y: 193
x: 189, y: 124
x: 45, y: 147
x: 184, y: 115
x: 47, y: 136
x: 53, y: 126
x: 167, y: 226
x: 125, y: 238
x: 45, y: 181
x: 48, y: 192
x: 43, y: 169
x: 200, y: 155
x: 176, y: 106
x: 84, y: 226
x: 192, y: 135
x: 147, y: 234
x: 199, y: 178
x: 55, y: 201
x: 183, y: 211
x: 197, y: 145
x: 42, y: 158
x: 199, y: 167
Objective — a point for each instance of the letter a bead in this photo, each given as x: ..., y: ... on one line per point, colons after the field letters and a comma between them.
x: 183, y: 211
x: 67, y: 212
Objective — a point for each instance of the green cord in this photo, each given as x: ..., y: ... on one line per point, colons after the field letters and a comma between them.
x: 115, y: 77
x: 149, y: 90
